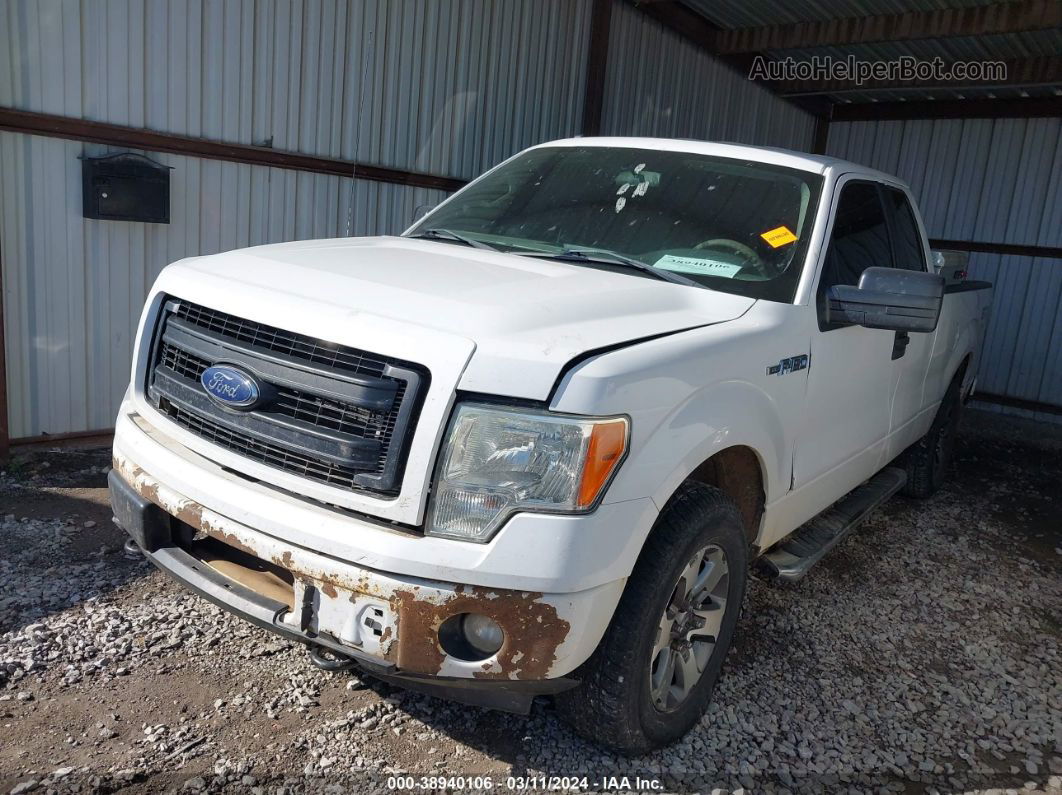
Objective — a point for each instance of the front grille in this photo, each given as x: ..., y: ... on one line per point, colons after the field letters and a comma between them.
x: 313, y: 409
x: 329, y: 413
x: 262, y: 452
x: 270, y: 338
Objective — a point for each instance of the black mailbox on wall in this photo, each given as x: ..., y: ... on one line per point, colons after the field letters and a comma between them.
x: 125, y: 187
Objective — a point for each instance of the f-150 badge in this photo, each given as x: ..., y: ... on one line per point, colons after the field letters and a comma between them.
x: 790, y: 365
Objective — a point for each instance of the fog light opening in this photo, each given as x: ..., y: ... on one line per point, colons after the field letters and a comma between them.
x: 471, y: 637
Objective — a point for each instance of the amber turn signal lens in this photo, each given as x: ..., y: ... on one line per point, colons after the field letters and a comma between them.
x: 608, y: 442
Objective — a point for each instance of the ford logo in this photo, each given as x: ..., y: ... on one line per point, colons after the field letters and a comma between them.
x: 230, y: 386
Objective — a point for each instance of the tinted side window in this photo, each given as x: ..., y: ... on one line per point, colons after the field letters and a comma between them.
x: 860, y: 237
x: 906, y: 242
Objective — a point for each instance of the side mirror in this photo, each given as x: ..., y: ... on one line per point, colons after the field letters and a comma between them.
x: 888, y: 298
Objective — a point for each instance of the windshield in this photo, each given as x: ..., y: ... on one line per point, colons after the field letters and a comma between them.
x: 731, y: 225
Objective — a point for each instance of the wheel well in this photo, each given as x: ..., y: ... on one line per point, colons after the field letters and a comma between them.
x: 736, y: 471
x: 960, y: 374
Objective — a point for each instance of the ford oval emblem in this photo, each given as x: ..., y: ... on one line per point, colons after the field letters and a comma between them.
x: 230, y: 386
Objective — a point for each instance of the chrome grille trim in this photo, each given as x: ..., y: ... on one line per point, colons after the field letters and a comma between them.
x: 330, y: 413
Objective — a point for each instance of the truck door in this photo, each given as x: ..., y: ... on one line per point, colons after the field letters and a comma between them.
x: 911, y: 352
x: 851, y: 375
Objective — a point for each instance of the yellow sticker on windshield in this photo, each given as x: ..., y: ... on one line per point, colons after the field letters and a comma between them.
x: 778, y: 236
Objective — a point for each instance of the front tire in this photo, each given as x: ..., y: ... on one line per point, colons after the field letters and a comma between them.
x: 652, y: 676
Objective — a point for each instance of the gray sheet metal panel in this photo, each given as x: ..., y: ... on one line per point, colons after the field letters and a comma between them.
x: 74, y: 288
x: 660, y: 84
x: 516, y: 80
x: 448, y: 88
x: 993, y: 181
x: 445, y: 87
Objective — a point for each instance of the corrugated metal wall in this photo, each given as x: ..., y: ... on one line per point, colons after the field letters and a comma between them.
x: 449, y: 88
x: 660, y: 84
x: 445, y: 87
x: 995, y: 181
x: 73, y: 288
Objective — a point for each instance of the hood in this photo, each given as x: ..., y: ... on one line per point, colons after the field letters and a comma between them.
x: 525, y: 318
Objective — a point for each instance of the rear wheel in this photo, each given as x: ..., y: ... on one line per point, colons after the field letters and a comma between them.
x: 652, y: 675
x: 927, y: 460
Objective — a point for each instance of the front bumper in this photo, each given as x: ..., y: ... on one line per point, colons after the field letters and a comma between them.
x: 387, y: 623
x: 151, y: 528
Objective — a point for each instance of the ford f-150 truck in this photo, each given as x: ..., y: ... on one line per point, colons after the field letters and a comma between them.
x: 534, y: 445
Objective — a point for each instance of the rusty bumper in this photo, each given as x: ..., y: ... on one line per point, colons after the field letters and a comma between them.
x: 385, y: 622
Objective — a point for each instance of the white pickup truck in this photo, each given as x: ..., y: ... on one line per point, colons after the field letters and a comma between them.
x: 533, y: 445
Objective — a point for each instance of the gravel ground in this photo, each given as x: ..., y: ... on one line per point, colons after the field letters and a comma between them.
x: 921, y: 656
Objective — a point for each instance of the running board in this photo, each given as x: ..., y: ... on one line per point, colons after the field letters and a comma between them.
x: 791, y: 557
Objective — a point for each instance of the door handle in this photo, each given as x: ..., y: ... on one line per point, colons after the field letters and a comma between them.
x: 900, y: 343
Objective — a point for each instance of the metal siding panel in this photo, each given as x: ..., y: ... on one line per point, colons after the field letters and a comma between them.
x: 449, y: 90
x: 1001, y: 174
x: 943, y: 153
x: 967, y: 181
x: 889, y: 141
x: 156, y: 78
x: 74, y: 288
x: 658, y: 83
x: 1037, y: 322
x: 502, y: 92
x: 8, y: 53
x: 12, y: 249
x: 1050, y: 233
x: 1004, y: 340
x: 996, y: 181
x: 1037, y: 163
x: 914, y: 153
x: 1051, y: 383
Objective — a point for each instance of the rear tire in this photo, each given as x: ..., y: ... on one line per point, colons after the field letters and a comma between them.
x: 928, y: 459
x: 652, y: 676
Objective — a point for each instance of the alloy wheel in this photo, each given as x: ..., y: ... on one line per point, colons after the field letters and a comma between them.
x: 689, y: 628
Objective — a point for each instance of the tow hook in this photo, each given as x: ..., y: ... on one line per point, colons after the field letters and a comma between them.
x: 331, y: 663
x: 132, y: 550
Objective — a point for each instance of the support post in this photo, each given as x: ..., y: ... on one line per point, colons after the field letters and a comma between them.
x: 596, y: 66
x: 822, y: 135
x: 5, y: 434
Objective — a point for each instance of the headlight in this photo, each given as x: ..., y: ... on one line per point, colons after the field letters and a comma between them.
x: 496, y: 461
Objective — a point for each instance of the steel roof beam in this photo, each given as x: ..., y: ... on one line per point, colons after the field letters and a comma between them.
x: 1010, y: 17
x: 1017, y: 73
x: 949, y: 109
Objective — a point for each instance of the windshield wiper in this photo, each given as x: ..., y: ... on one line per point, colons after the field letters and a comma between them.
x: 606, y: 257
x: 456, y: 237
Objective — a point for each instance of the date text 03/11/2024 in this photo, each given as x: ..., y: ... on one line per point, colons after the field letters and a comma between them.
x: 527, y: 783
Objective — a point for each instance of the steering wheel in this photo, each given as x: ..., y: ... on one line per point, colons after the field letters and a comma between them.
x: 733, y: 245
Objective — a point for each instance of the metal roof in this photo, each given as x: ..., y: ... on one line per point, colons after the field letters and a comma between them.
x: 741, y: 14
x: 745, y: 14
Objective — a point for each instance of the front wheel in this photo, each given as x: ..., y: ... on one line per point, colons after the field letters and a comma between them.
x: 652, y: 676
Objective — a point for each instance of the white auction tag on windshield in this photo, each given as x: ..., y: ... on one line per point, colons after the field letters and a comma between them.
x: 705, y: 267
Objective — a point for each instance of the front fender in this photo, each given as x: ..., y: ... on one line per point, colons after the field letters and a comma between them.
x: 694, y: 394
x: 684, y: 409
x: 723, y: 415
